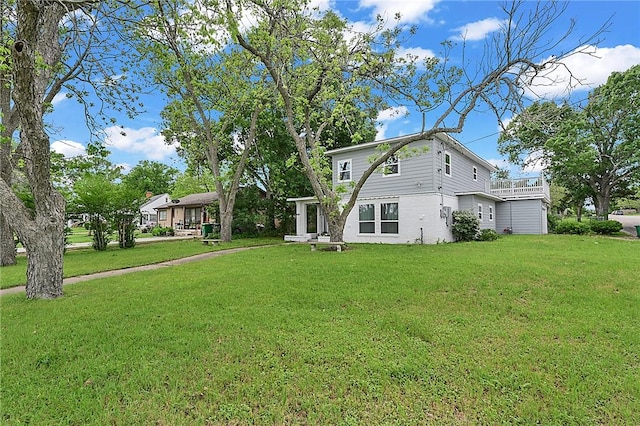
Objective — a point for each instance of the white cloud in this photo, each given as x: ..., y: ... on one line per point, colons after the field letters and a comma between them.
x: 478, y: 30
x: 411, y: 11
x: 392, y: 114
x: 416, y: 52
x: 386, y: 116
x: 146, y: 141
x: 59, y: 98
x: 68, y: 148
x: 581, y: 71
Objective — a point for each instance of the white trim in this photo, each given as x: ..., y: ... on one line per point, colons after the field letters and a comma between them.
x: 339, y: 171
x: 448, y: 154
x: 384, y: 167
x: 475, y: 174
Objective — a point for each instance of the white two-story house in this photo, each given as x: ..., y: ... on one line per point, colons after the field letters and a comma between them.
x: 412, y: 197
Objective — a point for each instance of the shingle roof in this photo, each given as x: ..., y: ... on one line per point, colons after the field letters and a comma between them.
x: 202, y: 199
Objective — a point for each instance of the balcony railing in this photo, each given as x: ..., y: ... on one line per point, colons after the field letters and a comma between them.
x: 520, y: 188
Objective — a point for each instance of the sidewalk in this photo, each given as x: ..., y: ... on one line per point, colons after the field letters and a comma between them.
x: 80, y: 278
x: 138, y: 241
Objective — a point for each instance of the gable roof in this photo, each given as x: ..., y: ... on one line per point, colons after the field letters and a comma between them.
x: 201, y: 199
x: 153, y: 199
x: 443, y: 137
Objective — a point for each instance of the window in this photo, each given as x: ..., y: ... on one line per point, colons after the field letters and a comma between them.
x: 480, y: 211
x: 391, y: 166
x: 389, y: 218
x: 491, y: 213
x: 447, y: 163
x: 367, y: 217
x: 192, y: 216
x: 344, y: 170
x: 475, y: 173
x: 162, y: 215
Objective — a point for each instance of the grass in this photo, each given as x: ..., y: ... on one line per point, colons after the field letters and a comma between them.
x: 88, y: 261
x: 524, y: 330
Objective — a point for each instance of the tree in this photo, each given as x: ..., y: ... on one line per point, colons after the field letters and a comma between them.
x: 94, y: 195
x: 51, y: 45
x: 151, y: 176
x: 319, y: 72
x: 593, y: 151
x: 209, y: 88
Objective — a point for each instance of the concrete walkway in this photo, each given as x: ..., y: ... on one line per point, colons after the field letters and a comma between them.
x: 80, y: 278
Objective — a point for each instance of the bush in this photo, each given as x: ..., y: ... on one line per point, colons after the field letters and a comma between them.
x: 572, y: 227
x: 160, y: 231
x: 465, y: 225
x: 487, y: 235
x: 552, y: 222
x: 605, y: 227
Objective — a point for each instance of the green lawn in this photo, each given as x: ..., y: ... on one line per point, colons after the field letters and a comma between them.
x: 88, y: 261
x: 524, y: 330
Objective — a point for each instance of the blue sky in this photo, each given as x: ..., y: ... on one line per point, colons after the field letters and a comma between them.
x: 436, y: 21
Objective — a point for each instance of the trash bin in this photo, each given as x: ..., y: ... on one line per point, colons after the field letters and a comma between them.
x: 207, y: 228
x: 638, y: 230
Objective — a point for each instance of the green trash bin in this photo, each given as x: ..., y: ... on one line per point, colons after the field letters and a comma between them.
x: 638, y: 230
x: 207, y: 228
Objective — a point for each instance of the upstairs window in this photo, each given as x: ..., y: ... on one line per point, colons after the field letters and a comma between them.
x: 475, y: 173
x: 391, y: 166
x: 344, y: 170
x: 447, y: 163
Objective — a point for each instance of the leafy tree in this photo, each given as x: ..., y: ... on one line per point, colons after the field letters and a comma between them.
x: 209, y: 88
x: 44, y: 47
x: 592, y: 151
x: 194, y: 180
x: 319, y: 73
x: 151, y: 176
x: 94, y: 195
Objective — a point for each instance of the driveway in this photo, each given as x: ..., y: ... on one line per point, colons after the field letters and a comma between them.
x: 629, y: 222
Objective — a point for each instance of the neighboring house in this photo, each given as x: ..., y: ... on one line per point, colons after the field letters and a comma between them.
x: 148, y: 213
x: 410, y: 200
x: 186, y: 213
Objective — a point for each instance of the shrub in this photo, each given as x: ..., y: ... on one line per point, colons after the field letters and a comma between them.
x: 605, y: 227
x: 487, y: 235
x: 465, y: 225
x: 160, y: 231
x: 552, y: 222
x: 572, y: 227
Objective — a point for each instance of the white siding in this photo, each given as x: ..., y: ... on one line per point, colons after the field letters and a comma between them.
x: 420, y: 220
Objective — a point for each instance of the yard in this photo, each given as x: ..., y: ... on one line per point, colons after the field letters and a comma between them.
x: 524, y: 330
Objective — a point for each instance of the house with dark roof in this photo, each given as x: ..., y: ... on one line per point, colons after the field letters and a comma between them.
x: 188, y: 213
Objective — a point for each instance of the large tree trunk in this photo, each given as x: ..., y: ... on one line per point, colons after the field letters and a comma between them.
x: 45, y: 250
x: 41, y: 231
x: 7, y: 243
x: 226, y: 221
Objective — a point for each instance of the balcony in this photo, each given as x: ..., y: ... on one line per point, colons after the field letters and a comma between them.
x: 510, y: 189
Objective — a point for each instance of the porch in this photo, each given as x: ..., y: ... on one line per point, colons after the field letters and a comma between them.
x: 310, y: 220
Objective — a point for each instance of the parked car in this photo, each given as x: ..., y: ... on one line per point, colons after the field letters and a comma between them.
x: 617, y: 212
